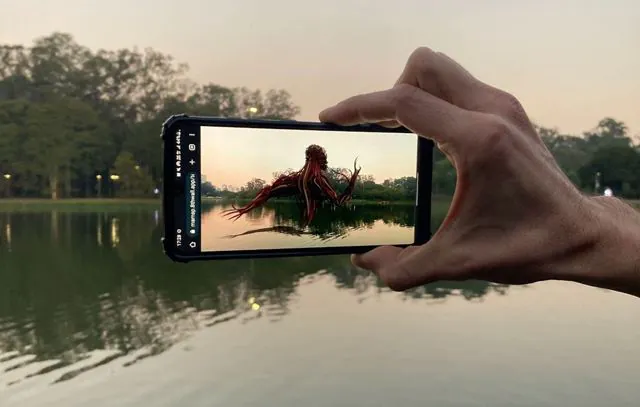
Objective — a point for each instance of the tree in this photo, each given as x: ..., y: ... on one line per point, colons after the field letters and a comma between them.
x: 608, y: 132
x: 255, y: 185
x: 49, y: 141
x: 207, y: 189
x: 444, y: 178
x: 81, y: 109
x: 571, y: 152
x: 618, y: 166
x: 131, y: 178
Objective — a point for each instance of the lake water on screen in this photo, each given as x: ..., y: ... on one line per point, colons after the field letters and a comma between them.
x: 277, y: 226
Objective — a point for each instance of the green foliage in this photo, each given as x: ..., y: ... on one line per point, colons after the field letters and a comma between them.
x: 131, y: 179
x: 399, y: 189
x: 606, y: 153
x: 71, y: 117
x: 603, y: 157
x: 444, y: 177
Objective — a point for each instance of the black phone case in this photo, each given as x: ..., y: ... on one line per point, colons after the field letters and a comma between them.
x: 422, y: 230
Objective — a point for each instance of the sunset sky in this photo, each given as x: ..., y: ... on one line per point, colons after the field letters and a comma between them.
x: 233, y: 156
x: 571, y: 62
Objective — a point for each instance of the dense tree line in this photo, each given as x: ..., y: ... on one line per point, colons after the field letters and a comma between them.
x: 366, y: 188
x: 605, y: 156
x: 81, y: 123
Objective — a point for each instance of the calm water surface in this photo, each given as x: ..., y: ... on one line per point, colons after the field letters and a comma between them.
x: 92, y: 314
x: 277, y: 226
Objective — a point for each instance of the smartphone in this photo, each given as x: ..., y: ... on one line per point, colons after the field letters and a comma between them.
x: 242, y: 188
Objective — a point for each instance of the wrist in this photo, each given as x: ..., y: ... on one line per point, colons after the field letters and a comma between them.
x: 611, y: 260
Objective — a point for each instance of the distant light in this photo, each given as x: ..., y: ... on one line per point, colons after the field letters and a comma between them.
x: 253, y: 109
x: 254, y: 305
x: 7, y: 176
x: 114, y: 177
x: 137, y: 167
x: 98, y: 177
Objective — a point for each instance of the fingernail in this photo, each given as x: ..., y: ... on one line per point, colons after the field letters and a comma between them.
x: 323, y: 114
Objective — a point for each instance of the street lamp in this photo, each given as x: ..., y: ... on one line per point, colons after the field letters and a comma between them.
x: 8, y: 178
x: 114, y: 178
x: 99, y: 179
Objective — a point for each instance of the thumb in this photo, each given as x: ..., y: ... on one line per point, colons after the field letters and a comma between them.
x: 377, y: 258
x: 400, y: 269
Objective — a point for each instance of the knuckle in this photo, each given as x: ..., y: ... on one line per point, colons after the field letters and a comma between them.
x: 423, y: 60
x: 421, y: 53
x: 510, y: 104
x: 405, y: 96
x: 495, y: 140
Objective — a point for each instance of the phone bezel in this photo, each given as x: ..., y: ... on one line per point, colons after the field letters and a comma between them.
x: 172, y: 191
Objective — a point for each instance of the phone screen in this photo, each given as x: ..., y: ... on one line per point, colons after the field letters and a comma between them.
x: 280, y: 189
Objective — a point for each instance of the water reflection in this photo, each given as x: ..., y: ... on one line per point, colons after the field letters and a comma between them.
x: 78, y: 290
x: 330, y: 222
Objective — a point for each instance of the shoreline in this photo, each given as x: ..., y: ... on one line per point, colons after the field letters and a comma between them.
x: 354, y: 201
x: 144, y: 201
x: 91, y: 203
x: 77, y: 204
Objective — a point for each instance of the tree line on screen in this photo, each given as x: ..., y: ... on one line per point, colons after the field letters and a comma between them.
x: 76, y: 122
x: 398, y: 189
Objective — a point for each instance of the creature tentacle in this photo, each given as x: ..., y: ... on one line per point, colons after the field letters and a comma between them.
x: 348, y: 192
x: 261, y: 197
x: 326, y: 187
x: 311, y: 211
x: 304, y: 187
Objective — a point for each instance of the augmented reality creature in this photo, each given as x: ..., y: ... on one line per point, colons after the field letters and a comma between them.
x: 310, y: 185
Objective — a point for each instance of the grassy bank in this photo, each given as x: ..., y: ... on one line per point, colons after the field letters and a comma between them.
x: 77, y: 204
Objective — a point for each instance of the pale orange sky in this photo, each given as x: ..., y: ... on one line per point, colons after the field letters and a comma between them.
x: 233, y: 156
x: 571, y: 62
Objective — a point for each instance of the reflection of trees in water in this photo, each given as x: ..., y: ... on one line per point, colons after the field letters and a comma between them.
x: 99, y: 282
x: 362, y: 281
x: 330, y: 222
x: 470, y: 290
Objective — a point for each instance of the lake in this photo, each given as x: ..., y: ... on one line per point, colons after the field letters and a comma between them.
x: 277, y: 226
x: 93, y: 314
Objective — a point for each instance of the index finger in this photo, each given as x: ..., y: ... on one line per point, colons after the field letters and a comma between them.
x: 415, y: 109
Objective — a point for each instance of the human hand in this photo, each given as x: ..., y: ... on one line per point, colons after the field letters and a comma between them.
x: 515, y: 217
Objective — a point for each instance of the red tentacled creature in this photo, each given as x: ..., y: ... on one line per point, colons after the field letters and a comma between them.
x: 310, y: 185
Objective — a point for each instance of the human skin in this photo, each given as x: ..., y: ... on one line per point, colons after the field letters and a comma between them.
x: 515, y: 217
